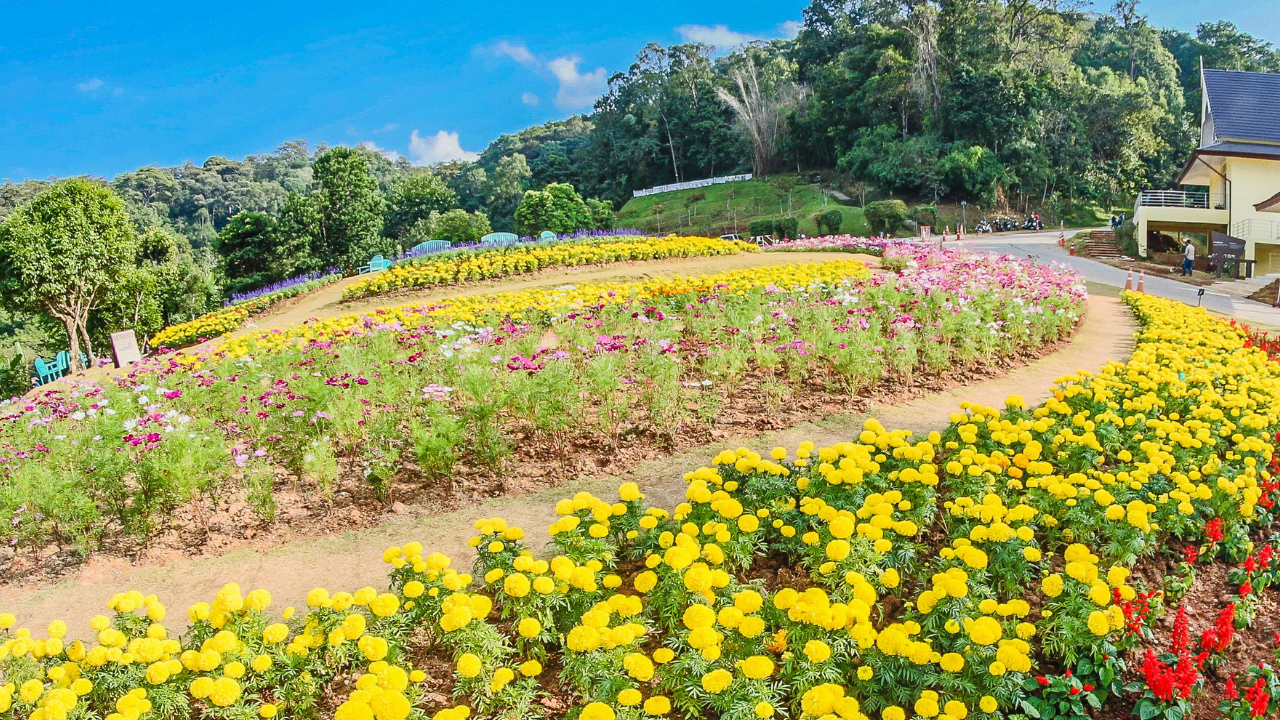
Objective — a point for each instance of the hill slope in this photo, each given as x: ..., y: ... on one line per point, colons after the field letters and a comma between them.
x: 727, y: 208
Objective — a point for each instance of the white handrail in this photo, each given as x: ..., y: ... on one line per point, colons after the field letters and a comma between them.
x: 1173, y: 198
x: 691, y: 184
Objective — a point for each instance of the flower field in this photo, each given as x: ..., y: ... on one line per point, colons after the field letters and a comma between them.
x: 233, y: 317
x: 411, y: 399
x: 1014, y: 564
x: 490, y: 263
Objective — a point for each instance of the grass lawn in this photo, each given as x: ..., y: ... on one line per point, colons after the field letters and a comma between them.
x: 713, y: 211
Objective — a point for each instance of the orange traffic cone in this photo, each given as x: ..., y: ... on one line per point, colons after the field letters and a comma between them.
x: 1142, y: 277
x: 1062, y: 239
x: 1128, y: 281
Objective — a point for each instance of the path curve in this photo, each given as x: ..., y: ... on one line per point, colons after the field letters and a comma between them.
x: 353, y: 559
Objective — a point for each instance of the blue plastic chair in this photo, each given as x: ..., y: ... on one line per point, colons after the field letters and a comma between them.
x: 547, y: 235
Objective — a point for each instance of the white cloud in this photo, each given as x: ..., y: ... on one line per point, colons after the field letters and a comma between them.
x: 90, y: 85
x: 718, y: 35
x: 518, y: 52
x: 577, y: 89
x: 441, y: 147
x: 789, y: 29
x: 371, y: 145
x: 725, y: 38
x: 388, y: 128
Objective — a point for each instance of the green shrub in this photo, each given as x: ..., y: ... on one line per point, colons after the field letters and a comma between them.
x: 926, y: 215
x: 829, y: 222
x: 757, y: 228
x: 885, y: 216
x: 1127, y: 238
x: 787, y: 228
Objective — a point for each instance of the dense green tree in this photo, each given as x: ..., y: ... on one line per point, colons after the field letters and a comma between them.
x: 247, y: 250
x: 557, y: 207
x: 415, y: 198
x: 459, y: 226
x: 601, y: 212
x: 64, y: 253
x: 349, y: 208
x: 507, y: 183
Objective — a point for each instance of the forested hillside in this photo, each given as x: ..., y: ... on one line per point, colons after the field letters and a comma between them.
x: 1008, y: 104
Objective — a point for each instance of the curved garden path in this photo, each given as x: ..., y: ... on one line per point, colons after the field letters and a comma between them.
x: 327, y: 301
x: 353, y: 559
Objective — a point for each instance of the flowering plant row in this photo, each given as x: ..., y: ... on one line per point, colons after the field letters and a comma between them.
x: 237, y: 298
x: 408, y: 395
x: 233, y: 317
x: 939, y: 574
x: 485, y: 263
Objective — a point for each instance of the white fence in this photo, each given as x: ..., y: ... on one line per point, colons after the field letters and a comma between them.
x: 691, y: 185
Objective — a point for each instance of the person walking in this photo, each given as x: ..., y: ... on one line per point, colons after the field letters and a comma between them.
x: 1188, y: 259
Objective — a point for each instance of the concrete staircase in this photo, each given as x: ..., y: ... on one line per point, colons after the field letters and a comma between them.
x: 1102, y: 244
x: 1242, y: 288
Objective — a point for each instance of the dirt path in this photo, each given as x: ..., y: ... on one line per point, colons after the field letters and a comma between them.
x: 327, y: 302
x: 353, y: 559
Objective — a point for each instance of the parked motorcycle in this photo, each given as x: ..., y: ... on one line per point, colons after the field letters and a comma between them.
x: 983, y: 227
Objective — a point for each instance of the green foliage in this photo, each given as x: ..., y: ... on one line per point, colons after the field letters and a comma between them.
x: 760, y: 228
x: 459, y: 226
x: 64, y: 251
x: 925, y: 214
x: 414, y: 199
x: 786, y: 228
x: 601, y: 211
x: 247, y: 251
x: 886, y: 216
x: 829, y: 222
x: 15, y: 376
x: 349, y: 207
x: 557, y: 207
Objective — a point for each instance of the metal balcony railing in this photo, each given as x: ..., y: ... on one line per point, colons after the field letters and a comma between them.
x: 1174, y: 198
x: 1257, y: 230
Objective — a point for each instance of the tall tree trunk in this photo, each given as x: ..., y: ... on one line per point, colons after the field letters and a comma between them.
x: 88, y: 344
x: 73, y: 342
x: 671, y: 143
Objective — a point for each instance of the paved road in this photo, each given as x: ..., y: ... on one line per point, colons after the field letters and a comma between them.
x: 1044, y: 246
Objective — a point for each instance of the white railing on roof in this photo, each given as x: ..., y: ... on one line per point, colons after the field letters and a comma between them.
x: 690, y: 185
x: 1174, y: 198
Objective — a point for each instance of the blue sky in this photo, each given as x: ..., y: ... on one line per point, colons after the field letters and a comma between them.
x: 105, y: 87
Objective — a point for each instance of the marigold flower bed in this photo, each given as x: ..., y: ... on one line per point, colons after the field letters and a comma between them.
x: 951, y: 576
x: 455, y: 397
x: 486, y: 264
x: 233, y: 317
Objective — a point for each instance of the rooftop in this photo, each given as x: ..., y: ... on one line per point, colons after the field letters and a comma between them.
x: 1243, y: 105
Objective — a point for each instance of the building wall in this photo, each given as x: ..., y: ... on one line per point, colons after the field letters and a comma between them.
x: 1252, y: 181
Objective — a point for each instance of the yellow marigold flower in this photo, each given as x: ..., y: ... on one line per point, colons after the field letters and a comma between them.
x: 757, y: 667
x: 597, y: 711
x: 1099, y: 624
x: 469, y: 665
x: 629, y: 697
x: 530, y: 668
x: 985, y: 631
x: 657, y: 705
x: 817, y: 651
x: 716, y: 681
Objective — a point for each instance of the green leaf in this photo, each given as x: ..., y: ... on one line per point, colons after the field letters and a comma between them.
x: 1030, y: 709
